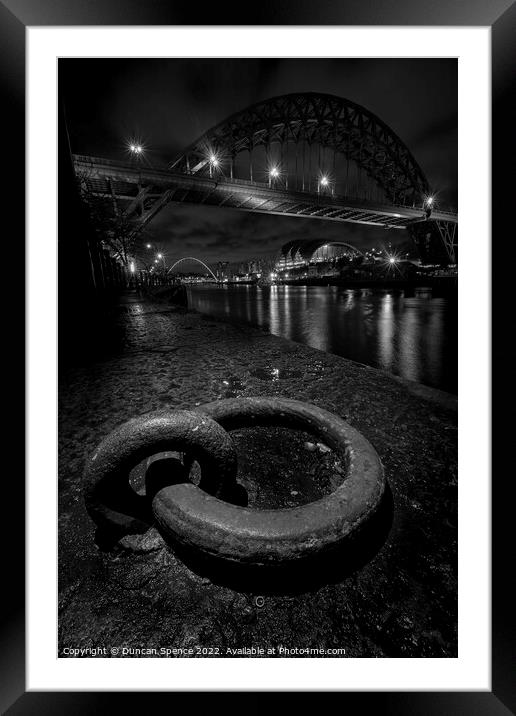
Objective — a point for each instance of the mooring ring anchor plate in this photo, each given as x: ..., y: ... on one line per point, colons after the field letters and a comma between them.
x: 201, y: 522
x: 111, y: 501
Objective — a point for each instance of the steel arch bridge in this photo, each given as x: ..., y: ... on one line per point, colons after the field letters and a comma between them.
x: 334, y: 124
x: 302, y: 155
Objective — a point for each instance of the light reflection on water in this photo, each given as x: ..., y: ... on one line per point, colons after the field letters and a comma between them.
x: 415, y: 338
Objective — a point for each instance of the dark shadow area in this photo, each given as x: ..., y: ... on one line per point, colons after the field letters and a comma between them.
x: 305, y: 575
x: 92, y: 287
x: 159, y: 474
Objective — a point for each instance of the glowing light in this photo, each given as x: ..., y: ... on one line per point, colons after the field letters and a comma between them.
x: 324, y: 181
x: 429, y: 200
x: 149, y: 246
x: 213, y: 160
x: 132, y: 267
x: 274, y: 172
x: 392, y: 260
x: 160, y: 256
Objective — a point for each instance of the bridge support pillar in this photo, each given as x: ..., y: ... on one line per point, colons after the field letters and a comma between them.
x: 436, y: 241
x: 448, y: 232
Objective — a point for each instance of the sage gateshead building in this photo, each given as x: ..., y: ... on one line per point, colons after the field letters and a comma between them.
x: 314, y: 256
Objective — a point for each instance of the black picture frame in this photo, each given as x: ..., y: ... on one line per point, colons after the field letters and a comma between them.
x: 500, y: 15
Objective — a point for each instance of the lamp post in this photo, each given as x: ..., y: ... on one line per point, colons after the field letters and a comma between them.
x: 324, y: 183
x: 135, y: 149
x: 214, y: 163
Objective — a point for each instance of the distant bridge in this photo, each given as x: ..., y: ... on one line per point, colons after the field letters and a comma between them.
x: 305, y: 155
x: 192, y: 258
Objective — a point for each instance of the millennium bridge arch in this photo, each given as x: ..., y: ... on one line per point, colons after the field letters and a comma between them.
x: 192, y: 258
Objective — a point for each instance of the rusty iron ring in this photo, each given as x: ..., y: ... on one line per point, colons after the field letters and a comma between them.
x: 198, y: 521
x: 111, y: 501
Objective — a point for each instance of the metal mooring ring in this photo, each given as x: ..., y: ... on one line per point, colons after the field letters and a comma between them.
x: 110, y: 500
x: 197, y: 520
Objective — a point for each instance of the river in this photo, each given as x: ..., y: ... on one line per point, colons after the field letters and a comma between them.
x: 414, y: 338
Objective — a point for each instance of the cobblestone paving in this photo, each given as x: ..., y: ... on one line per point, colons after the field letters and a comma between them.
x: 139, y: 594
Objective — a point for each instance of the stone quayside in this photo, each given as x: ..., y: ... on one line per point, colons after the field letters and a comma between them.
x: 399, y: 600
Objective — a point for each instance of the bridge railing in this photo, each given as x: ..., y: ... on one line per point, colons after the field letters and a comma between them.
x: 96, y: 160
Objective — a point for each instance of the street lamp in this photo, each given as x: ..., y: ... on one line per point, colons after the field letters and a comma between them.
x: 324, y: 182
x: 214, y: 163
x: 160, y: 257
x: 273, y: 174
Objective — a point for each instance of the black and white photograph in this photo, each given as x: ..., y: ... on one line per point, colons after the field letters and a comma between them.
x: 257, y: 321
x: 258, y: 391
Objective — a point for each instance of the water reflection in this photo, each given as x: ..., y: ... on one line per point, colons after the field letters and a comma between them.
x: 415, y: 338
x: 408, y: 344
x: 274, y: 322
x: 386, y: 332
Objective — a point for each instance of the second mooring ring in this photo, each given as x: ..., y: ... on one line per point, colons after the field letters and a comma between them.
x: 216, y: 529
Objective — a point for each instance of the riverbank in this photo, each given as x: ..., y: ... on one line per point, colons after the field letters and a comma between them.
x: 411, y: 336
x: 401, y: 601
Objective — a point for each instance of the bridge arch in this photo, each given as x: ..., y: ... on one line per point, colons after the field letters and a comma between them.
x: 342, y: 128
x: 192, y: 258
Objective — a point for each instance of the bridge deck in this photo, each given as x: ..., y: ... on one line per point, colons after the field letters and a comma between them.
x: 141, y: 192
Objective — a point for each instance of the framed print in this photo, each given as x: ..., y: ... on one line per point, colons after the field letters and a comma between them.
x: 272, y: 380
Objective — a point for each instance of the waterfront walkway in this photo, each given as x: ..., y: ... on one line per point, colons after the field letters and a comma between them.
x: 400, y: 603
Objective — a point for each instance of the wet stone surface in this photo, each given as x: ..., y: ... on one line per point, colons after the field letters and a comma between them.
x: 137, y: 593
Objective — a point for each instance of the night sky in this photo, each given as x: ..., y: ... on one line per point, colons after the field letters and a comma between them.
x: 167, y: 104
